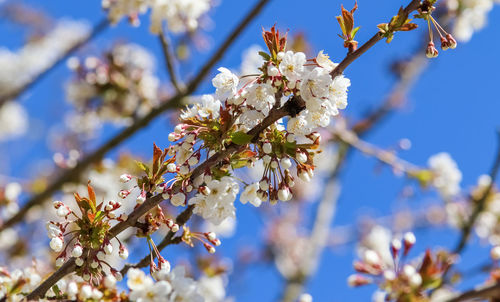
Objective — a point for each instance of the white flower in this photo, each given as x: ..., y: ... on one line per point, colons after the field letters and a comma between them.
x: 207, y: 107
x: 184, y: 288
x: 260, y: 97
x: 250, y: 195
x: 324, y: 61
x: 137, y: 280
x: 292, y: 65
x: 314, y: 87
x: 447, y: 176
x: 226, y: 84
x: 219, y: 203
x: 211, y: 288
x: 178, y: 199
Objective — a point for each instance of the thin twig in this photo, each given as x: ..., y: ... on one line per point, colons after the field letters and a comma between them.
x: 480, y: 203
x: 174, y: 102
x: 169, y: 61
x: 97, y: 29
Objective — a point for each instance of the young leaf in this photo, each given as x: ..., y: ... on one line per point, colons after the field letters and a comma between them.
x: 241, y: 138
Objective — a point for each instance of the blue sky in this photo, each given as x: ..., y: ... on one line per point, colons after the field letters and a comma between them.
x: 453, y: 107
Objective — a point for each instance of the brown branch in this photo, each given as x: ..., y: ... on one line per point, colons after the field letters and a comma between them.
x: 174, y: 102
x: 98, y: 28
x: 352, y: 56
x: 491, y: 291
x: 169, y: 61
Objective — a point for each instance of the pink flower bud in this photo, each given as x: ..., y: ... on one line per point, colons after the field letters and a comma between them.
x: 431, y: 51
x: 451, y: 41
x: 123, y: 194
x: 125, y: 178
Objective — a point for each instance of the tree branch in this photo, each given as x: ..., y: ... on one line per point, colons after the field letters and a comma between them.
x: 352, y: 56
x: 98, y: 28
x: 169, y: 61
x: 74, y: 173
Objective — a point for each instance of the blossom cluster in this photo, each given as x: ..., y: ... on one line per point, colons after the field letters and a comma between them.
x: 240, y: 104
x: 382, y: 262
x: 180, y: 15
x: 21, y: 67
x: 89, y: 243
x: 16, y: 284
x: 470, y: 16
x: 118, y: 87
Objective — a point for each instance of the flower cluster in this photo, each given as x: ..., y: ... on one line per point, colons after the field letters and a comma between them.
x: 14, y: 285
x: 238, y: 106
x: 173, y: 286
x: 397, y: 280
x: 180, y: 15
x: 446, y: 175
x: 447, y: 40
x: 471, y: 16
x: 117, y: 88
x: 21, y: 67
x: 90, y: 243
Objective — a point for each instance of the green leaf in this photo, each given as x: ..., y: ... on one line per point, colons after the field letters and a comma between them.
x: 56, y: 290
x: 241, y: 138
x: 354, y: 31
x: 265, y: 55
x: 142, y: 166
x: 237, y: 164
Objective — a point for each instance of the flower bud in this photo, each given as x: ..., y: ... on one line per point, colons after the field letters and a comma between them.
x: 59, y: 261
x: 431, y: 51
x: 274, y: 164
x: 264, y: 184
x: 267, y: 148
x: 209, y: 248
x: 303, y: 175
x: 56, y: 244
x: 301, y: 157
x: 172, y: 168
x: 123, y: 252
x: 290, y: 138
x: 123, y: 194
x: 141, y: 198
x: 286, y: 163
x: 79, y: 261
x: 174, y: 228
x: 77, y: 251
x: 125, y: 178
x: 108, y: 249
x: 451, y: 41
x: 284, y: 194
x: 408, y: 240
x: 357, y: 280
